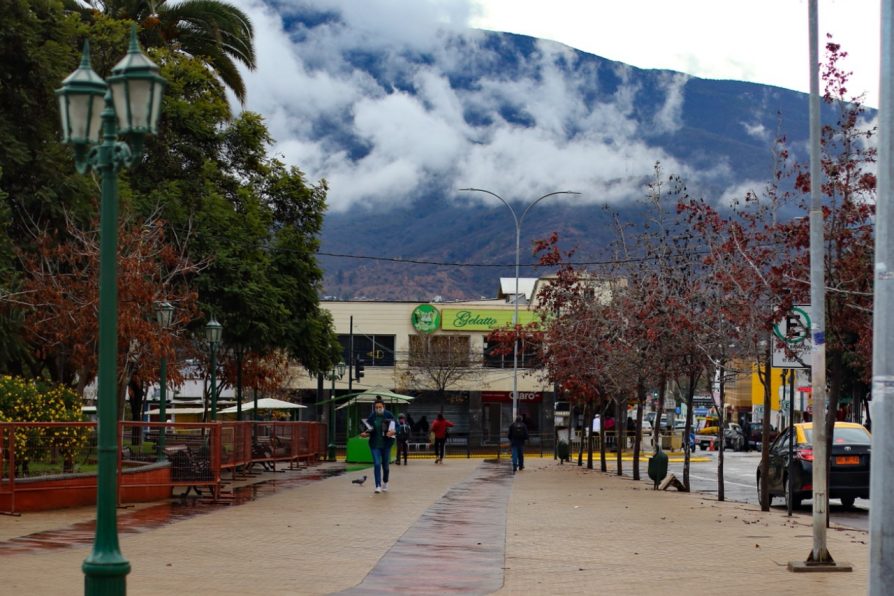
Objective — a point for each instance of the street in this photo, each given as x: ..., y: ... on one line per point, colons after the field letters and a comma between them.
x: 739, y: 473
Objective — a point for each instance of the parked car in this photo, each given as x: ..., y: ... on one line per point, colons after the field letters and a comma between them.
x: 848, y: 464
x: 733, y: 436
x: 754, y: 440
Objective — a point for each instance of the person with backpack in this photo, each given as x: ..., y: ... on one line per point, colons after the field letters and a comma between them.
x: 403, y: 439
x: 518, y: 434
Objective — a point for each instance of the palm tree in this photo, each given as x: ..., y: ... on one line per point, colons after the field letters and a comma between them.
x: 212, y: 30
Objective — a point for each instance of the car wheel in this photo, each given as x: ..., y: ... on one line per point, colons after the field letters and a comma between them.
x: 848, y: 502
x: 769, y: 496
x: 795, y: 501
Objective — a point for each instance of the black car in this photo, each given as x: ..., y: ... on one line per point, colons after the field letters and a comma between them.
x: 757, y: 428
x: 848, y: 464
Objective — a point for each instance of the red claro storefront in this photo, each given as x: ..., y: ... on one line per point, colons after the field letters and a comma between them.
x: 497, y: 413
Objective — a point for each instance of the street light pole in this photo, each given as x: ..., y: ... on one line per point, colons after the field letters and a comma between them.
x: 881, y: 474
x: 518, y: 224
x: 131, y: 101
x: 213, y: 331
x: 335, y: 374
x: 164, y: 313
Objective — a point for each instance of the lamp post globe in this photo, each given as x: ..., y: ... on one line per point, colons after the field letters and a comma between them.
x: 91, y: 125
x: 213, y: 332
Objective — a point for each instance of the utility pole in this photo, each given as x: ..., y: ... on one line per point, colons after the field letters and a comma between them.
x: 819, y: 559
x: 351, y: 354
x: 881, y: 535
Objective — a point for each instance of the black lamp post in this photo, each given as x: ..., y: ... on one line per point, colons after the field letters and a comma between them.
x: 335, y: 374
x: 94, y: 114
x: 164, y: 313
x: 213, y: 331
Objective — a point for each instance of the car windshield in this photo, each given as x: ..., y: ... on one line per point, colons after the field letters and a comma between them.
x: 845, y: 436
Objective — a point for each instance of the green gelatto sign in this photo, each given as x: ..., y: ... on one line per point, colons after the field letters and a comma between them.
x: 425, y: 318
x: 480, y: 319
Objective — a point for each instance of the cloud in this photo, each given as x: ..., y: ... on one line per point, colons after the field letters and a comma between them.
x: 389, y: 100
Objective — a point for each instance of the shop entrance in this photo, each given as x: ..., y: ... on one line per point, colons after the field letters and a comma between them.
x: 492, y: 425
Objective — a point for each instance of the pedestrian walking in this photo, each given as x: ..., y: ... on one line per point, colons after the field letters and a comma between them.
x: 380, y: 429
x: 518, y: 434
x: 439, y: 430
x: 403, y: 438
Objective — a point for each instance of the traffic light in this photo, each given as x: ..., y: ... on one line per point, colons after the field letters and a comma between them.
x: 358, y: 369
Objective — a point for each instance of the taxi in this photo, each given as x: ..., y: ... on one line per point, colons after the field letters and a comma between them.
x: 848, y: 464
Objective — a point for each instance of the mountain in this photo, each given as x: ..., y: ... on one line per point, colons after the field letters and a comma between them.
x: 415, y: 121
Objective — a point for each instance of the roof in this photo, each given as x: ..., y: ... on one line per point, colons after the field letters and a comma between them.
x: 525, y: 287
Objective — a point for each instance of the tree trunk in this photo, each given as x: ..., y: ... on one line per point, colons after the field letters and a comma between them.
x: 721, y: 419
x: 603, y: 411
x: 621, y: 426
x: 656, y: 430
x: 690, y: 393
x: 584, y: 435
x: 638, y: 439
x: 137, y: 392
x: 765, y: 432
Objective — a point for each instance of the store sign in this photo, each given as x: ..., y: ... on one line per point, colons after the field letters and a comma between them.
x: 531, y: 397
x: 425, y: 318
x: 482, y: 319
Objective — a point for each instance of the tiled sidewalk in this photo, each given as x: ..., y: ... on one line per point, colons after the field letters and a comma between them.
x: 568, y: 531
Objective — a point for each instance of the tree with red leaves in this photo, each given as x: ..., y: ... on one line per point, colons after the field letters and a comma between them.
x: 61, y: 291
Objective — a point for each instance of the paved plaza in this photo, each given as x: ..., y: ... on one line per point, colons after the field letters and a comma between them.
x: 467, y: 526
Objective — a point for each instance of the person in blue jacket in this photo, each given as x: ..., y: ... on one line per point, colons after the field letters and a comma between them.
x: 381, y: 430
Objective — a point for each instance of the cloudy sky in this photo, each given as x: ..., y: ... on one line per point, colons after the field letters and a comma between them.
x: 314, y: 99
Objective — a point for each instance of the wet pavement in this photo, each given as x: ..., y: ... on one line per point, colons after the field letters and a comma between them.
x: 552, y: 529
x: 457, y: 545
x: 175, y: 510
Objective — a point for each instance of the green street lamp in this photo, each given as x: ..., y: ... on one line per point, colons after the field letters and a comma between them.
x: 164, y: 313
x: 94, y: 114
x: 334, y: 375
x: 213, y: 331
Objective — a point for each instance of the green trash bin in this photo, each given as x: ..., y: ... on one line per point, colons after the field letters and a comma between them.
x: 563, y: 452
x: 658, y: 467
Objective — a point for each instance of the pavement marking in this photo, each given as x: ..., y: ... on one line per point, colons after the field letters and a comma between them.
x: 457, y: 545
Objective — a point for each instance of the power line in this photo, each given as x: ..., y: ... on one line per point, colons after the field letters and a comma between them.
x: 499, y: 265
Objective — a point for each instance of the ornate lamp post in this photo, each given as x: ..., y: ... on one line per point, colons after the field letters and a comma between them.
x: 213, y: 331
x: 164, y: 312
x: 518, y: 224
x: 94, y: 114
x: 335, y: 374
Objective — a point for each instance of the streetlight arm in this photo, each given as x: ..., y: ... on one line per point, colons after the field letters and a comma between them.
x: 502, y: 200
x: 558, y: 192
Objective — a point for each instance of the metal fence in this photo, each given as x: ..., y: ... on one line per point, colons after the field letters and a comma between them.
x: 55, y: 457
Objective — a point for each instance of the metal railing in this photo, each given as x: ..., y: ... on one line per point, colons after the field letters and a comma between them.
x: 38, y: 457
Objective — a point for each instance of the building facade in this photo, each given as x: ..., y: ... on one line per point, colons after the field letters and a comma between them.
x: 439, y: 354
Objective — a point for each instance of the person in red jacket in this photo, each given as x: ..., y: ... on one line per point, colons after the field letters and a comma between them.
x: 439, y: 430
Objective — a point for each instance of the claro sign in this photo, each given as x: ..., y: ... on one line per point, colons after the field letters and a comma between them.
x: 532, y: 397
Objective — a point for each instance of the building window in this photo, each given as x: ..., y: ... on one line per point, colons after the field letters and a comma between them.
x: 498, y: 355
x: 375, y: 350
x: 439, y: 351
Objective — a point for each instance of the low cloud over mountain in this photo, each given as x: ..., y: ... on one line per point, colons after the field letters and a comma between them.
x: 399, y: 104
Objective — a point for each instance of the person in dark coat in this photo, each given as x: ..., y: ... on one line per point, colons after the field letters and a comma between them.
x: 403, y: 438
x: 518, y: 434
x: 380, y: 430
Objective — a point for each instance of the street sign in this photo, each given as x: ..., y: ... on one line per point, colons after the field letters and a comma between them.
x: 793, y: 332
